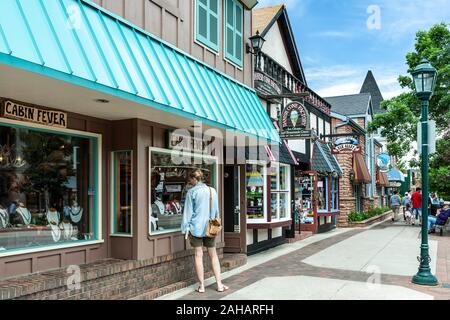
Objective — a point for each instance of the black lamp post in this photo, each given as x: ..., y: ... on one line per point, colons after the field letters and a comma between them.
x: 424, y: 77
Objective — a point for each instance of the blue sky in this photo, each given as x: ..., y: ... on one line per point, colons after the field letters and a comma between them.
x: 340, y: 40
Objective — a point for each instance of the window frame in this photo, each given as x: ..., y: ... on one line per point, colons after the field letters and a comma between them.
x: 215, y: 183
x: 264, y: 174
x: 326, y: 189
x: 199, y: 39
x: 98, y: 196
x: 232, y: 58
x: 114, y: 195
x: 334, y: 194
x: 279, y: 191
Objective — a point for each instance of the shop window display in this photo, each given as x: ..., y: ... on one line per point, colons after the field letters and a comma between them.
x: 322, y: 193
x: 169, y: 185
x: 304, y: 203
x: 47, y: 188
x: 335, y: 193
x: 122, y: 185
x: 279, y: 188
x: 255, y: 191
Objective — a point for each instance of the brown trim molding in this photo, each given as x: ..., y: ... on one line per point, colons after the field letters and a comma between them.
x: 272, y: 225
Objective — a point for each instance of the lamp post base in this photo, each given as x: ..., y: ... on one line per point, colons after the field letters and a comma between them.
x: 425, y: 278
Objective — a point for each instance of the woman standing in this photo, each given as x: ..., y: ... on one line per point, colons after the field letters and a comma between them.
x: 201, y: 205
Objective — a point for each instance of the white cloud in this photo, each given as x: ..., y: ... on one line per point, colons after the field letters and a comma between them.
x: 340, y: 89
x: 348, y: 79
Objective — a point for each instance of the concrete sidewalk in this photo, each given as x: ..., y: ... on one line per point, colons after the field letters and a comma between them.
x: 377, y: 262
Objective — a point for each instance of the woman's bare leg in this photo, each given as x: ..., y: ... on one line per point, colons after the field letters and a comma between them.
x: 199, y: 267
x: 215, y: 266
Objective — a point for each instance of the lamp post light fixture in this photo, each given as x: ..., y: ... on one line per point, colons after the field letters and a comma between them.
x: 424, y: 76
x: 257, y: 42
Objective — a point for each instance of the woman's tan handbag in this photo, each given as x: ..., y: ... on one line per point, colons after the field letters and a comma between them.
x: 214, y: 225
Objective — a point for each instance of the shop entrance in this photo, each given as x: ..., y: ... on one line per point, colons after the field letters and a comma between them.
x: 232, y: 205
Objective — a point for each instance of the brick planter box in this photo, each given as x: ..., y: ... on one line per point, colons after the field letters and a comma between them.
x: 368, y: 222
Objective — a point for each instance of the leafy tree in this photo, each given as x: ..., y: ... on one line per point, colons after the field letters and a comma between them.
x: 399, y: 122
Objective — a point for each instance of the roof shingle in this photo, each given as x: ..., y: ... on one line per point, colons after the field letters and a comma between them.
x: 350, y: 104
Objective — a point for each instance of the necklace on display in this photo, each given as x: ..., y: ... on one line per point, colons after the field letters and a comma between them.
x: 52, y: 216
x: 4, y: 217
x: 177, y: 207
x: 76, y: 212
x: 160, y: 206
x: 56, y: 232
x: 68, y: 230
x: 25, y: 214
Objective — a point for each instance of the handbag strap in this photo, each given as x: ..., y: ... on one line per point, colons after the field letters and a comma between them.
x: 210, y: 202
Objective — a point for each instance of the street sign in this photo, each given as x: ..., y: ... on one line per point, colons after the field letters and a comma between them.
x: 431, y: 137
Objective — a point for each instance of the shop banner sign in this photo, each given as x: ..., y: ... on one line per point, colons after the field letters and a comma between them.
x: 188, y: 143
x: 346, y: 145
x: 51, y: 118
x: 294, y: 122
x: 265, y: 84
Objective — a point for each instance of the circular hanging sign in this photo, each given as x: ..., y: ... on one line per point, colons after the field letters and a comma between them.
x: 383, y: 162
x: 294, y: 116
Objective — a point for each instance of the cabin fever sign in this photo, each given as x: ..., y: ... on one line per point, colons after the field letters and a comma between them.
x: 12, y: 110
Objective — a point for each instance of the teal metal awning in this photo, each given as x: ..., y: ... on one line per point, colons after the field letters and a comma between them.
x: 83, y: 44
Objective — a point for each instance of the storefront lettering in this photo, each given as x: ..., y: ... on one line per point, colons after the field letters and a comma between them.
x: 15, y: 111
x: 346, y: 145
x: 294, y: 121
x: 265, y: 84
x: 188, y: 143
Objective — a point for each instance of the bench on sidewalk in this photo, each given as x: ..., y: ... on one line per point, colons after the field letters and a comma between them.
x: 441, y: 228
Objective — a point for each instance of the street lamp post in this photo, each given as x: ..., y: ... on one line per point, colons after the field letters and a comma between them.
x: 424, y: 77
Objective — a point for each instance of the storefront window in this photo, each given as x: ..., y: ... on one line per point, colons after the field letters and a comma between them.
x: 122, y: 186
x: 305, y: 188
x: 280, y: 191
x: 322, y: 191
x: 47, y: 188
x: 169, y: 185
x: 255, y: 190
x: 335, y: 193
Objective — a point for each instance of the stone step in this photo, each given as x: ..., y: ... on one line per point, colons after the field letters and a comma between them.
x: 229, y: 262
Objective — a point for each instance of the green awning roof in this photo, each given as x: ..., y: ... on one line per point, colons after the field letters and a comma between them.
x: 81, y: 43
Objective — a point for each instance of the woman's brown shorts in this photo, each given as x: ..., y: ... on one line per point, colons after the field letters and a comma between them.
x: 198, y: 242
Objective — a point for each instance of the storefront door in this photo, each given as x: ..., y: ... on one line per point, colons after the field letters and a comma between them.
x: 232, y: 207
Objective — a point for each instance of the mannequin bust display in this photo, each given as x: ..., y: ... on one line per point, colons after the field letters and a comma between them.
x: 176, y: 206
x: 52, y: 216
x: 76, y: 212
x: 24, y: 213
x: 56, y: 231
x: 160, y: 205
x: 4, y: 217
x: 67, y: 228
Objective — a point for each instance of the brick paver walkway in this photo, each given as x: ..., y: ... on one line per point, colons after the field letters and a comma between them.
x: 292, y: 265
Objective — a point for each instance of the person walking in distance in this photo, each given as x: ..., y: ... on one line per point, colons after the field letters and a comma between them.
x: 201, y: 204
x: 416, y: 200
x: 395, y: 205
x: 406, y: 202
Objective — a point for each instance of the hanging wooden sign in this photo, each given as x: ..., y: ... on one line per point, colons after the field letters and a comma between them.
x: 346, y: 145
x: 12, y: 110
